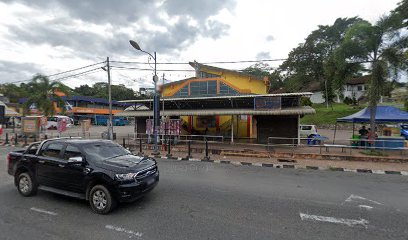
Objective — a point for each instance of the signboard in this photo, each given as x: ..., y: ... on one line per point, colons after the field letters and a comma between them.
x: 167, y: 127
x: 30, y: 126
x: 265, y: 103
x: 85, y: 125
x: 43, y: 121
x: 62, y: 124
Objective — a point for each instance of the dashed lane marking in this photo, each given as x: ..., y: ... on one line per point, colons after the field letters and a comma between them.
x: 126, y: 231
x: 343, y: 221
x: 43, y: 211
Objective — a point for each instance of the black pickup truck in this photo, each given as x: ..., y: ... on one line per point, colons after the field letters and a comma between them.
x: 100, y: 171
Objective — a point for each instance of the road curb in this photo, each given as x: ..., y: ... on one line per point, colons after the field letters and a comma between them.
x: 289, y: 166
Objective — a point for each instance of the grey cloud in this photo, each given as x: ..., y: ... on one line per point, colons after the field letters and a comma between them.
x: 263, y: 55
x: 198, y: 9
x: 270, y: 38
x: 12, y: 71
x: 59, y: 32
x: 98, y: 12
x: 216, y: 29
x: 86, y: 44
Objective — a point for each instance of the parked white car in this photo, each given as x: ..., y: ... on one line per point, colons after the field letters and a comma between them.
x: 52, y: 122
x: 307, y: 130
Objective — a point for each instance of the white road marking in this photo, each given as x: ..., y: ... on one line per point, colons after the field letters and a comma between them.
x: 355, y: 197
x: 43, y: 211
x: 365, y: 207
x: 344, y: 221
x: 123, y: 230
x: 378, y: 171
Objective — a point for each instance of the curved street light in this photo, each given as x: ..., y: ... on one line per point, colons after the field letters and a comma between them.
x: 156, y: 100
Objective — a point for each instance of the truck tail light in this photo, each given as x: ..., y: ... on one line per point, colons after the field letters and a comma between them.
x: 9, y: 160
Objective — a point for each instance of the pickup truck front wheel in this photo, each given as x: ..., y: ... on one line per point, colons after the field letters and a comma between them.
x: 25, y: 185
x: 101, y: 200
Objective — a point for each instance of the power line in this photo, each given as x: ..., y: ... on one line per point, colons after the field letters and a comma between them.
x: 78, y: 74
x: 56, y: 74
x: 148, y: 69
x: 220, y: 62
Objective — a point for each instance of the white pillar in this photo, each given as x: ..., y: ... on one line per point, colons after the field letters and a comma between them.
x: 232, y: 129
x: 298, y: 130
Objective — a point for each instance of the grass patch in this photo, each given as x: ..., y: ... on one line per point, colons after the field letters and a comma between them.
x: 329, y: 115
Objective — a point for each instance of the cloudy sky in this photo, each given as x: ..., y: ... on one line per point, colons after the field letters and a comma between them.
x: 52, y: 36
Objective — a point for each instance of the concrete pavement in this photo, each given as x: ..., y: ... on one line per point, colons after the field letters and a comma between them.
x: 199, y: 200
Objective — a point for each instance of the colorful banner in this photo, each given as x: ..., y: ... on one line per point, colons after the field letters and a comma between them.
x: 167, y: 127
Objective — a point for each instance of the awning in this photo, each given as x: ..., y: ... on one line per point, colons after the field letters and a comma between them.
x: 383, y: 114
x: 217, y: 112
x: 11, y: 113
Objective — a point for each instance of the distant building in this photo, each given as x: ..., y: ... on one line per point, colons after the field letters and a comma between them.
x: 84, y: 107
x: 354, y: 88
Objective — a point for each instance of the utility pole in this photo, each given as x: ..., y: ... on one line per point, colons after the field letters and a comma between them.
x: 110, y: 122
x: 327, y: 97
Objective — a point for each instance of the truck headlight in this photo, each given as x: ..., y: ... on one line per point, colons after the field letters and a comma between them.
x: 125, y: 176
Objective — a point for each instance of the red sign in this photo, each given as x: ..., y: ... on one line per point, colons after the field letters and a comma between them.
x: 62, y: 125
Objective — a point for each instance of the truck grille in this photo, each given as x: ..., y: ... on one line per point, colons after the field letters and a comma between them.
x: 145, y: 173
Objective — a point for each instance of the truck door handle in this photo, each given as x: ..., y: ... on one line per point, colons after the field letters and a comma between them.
x: 41, y: 161
x: 61, y: 165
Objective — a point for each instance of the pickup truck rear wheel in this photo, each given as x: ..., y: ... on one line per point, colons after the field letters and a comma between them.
x: 26, y: 185
x: 101, y: 200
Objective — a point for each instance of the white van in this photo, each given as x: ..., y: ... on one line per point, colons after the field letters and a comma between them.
x: 52, y: 122
x: 307, y: 130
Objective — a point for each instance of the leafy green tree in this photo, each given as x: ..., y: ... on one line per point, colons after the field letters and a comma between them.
x: 262, y: 70
x: 382, y: 47
x: 42, y: 93
x: 100, y: 90
x: 306, y: 63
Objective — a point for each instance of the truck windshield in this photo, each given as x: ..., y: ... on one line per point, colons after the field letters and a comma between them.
x: 103, y: 151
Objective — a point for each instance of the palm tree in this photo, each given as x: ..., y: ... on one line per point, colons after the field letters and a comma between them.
x: 43, y: 94
x: 381, y: 48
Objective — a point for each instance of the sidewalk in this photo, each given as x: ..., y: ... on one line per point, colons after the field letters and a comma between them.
x: 300, y: 163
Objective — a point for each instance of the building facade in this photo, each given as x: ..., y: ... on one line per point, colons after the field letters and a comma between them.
x: 212, y: 81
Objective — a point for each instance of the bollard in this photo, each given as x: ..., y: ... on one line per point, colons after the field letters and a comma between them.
x: 124, y: 142
x: 168, y: 149
x: 45, y: 137
x: 25, y: 140
x: 206, y: 158
x: 35, y: 137
x: 15, y: 139
x: 189, y: 150
x: 7, y: 140
x: 140, y: 147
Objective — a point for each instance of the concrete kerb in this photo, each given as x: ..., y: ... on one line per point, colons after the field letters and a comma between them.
x: 288, y: 166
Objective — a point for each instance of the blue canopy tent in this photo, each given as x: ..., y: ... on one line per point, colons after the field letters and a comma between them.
x: 384, y: 114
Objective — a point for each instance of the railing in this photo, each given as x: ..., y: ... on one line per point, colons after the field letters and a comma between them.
x: 343, y: 144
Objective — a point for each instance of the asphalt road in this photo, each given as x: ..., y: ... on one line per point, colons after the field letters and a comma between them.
x: 196, y: 200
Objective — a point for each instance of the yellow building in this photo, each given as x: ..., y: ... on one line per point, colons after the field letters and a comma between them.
x: 214, y: 81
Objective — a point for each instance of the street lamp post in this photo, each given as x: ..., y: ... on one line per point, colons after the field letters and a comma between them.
x: 110, y: 120
x: 156, y: 99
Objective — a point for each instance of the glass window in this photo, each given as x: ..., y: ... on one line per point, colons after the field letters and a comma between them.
x: 102, y: 151
x: 183, y: 92
x: 72, y: 151
x: 226, y: 90
x: 203, y: 88
x: 33, y: 148
x: 52, y: 150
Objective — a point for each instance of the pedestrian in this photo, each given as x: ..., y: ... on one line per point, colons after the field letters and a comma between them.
x: 363, y: 135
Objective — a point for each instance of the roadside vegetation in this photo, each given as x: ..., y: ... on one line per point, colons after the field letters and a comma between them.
x: 329, y: 115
